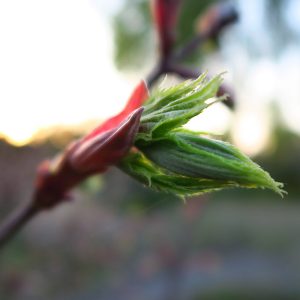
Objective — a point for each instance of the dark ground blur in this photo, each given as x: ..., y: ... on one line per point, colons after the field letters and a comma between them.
x: 119, y: 240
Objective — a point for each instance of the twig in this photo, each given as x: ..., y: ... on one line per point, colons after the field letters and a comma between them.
x: 219, y: 18
x: 16, y: 221
x: 154, y: 75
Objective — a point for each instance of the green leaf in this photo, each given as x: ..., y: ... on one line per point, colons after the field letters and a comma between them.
x: 188, y: 154
x: 171, y: 159
x: 175, y: 106
x: 145, y: 171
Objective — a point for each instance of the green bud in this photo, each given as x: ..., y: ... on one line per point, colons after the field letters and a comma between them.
x: 171, y: 159
x: 171, y: 108
x: 145, y: 171
x: 187, y: 154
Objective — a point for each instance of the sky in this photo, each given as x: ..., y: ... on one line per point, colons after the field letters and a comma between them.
x: 56, y: 67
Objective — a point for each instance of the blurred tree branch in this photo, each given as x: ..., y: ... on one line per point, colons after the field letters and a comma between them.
x: 171, y: 60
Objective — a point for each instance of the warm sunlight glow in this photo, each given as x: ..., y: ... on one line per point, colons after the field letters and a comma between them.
x: 56, y: 66
x: 288, y: 89
x: 251, y: 131
x: 215, y: 119
x: 17, y: 135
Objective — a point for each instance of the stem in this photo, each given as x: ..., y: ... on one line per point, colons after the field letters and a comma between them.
x: 189, y: 48
x: 226, y: 15
x: 16, y: 221
x: 153, y: 76
x: 163, y: 67
x: 184, y: 72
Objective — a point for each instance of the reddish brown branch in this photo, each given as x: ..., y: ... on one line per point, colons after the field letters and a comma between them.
x: 93, y: 154
x: 213, y: 22
x: 16, y: 221
x: 216, y: 19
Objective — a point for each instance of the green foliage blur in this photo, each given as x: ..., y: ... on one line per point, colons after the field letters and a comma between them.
x: 134, y: 32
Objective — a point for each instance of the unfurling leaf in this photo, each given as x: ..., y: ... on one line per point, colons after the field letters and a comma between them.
x: 171, y: 159
x: 199, y: 157
x: 171, y: 108
x: 145, y: 171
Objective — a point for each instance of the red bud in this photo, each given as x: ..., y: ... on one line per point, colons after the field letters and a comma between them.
x: 97, y: 153
x: 104, y: 146
x: 165, y: 15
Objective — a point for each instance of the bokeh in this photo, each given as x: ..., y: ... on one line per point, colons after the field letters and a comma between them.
x: 65, y: 66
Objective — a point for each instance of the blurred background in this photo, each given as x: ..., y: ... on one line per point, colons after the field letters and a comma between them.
x: 65, y: 65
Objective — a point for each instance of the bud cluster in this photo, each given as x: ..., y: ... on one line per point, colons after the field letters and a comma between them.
x: 175, y: 160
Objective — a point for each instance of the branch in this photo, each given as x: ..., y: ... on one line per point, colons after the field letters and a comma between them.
x: 215, y: 20
x: 104, y: 146
x: 212, y: 24
x: 16, y: 221
x: 154, y: 75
